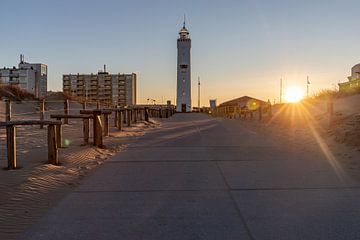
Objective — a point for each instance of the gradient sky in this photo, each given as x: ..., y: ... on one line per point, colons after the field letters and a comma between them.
x: 239, y: 47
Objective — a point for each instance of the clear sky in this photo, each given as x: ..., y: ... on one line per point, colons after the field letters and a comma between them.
x: 240, y: 47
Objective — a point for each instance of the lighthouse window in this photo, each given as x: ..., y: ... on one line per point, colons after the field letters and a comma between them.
x: 183, y: 66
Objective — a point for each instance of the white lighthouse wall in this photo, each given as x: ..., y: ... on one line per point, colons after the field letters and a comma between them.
x: 183, y: 75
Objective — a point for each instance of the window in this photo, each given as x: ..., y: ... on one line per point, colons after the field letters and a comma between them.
x: 183, y: 66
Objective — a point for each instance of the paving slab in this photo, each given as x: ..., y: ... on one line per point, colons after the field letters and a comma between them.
x: 142, y: 215
x: 282, y: 174
x: 301, y: 214
x: 251, y: 153
x: 164, y: 154
x: 147, y: 176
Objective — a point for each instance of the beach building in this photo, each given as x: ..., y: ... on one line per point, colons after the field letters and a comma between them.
x: 244, y: 102
x: 183, y: 100
x: 354, y: 80
x: 117, y: 89
x: 31, y: 77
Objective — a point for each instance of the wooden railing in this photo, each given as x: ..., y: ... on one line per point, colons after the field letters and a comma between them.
x: 99, y: 116
x: 243, y: 112
x: 11, y: 139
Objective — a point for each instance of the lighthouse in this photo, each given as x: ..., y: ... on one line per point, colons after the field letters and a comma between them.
x: 183, y: 101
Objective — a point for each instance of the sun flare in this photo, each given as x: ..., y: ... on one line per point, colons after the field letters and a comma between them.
x: 294, y: 94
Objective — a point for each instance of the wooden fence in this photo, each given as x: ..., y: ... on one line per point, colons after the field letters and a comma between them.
x: 264, y: 112
x: 100, y: 117
x: 234, y: 112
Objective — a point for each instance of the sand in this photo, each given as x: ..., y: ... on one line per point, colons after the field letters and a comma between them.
x: 28, y: 192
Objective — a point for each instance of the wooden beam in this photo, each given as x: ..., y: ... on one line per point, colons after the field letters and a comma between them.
x: 28, y: 123
x: 63, y: 116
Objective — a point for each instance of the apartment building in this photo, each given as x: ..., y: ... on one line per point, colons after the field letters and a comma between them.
x: 31, y: 77
x: 117, y: 89
x: 353, y: 82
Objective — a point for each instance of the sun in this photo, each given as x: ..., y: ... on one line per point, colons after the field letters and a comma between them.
x: 294, y: 94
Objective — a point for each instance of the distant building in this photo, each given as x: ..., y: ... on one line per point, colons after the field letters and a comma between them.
x: 117, y: 89
x: 354, y: 80
x: 31, y: 77
x: 131, y: 89
x: 183, y: 100
x: 244, y: 102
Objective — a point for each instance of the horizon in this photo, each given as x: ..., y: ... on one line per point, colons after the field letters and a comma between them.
x: 239, y: 48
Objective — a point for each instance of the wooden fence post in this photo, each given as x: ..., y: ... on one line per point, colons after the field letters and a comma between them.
x: 125, y: 116
x: 53, y: 156
x: 141, y: 111
x: 84, y: 105
x: 8, y: 110
x: 59, y: 134
x: 146, y: 114
x: 119, y: 113
x: 86, y: 130
x: 116, y: 116
x: 128, y: 116
x: 97, y: 128
x: 66, y: 110
x: 106, y: 124
x: 42, y: 112
x: 135, y: 115
x: 11, y: 146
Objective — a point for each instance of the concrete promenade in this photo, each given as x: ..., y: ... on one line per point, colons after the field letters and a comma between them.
x: 204, y: 178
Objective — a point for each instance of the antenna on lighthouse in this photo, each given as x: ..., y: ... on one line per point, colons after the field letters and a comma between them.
x: 184, y: 20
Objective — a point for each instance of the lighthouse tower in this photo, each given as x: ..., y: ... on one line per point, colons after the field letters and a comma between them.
x: 183, y: 101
